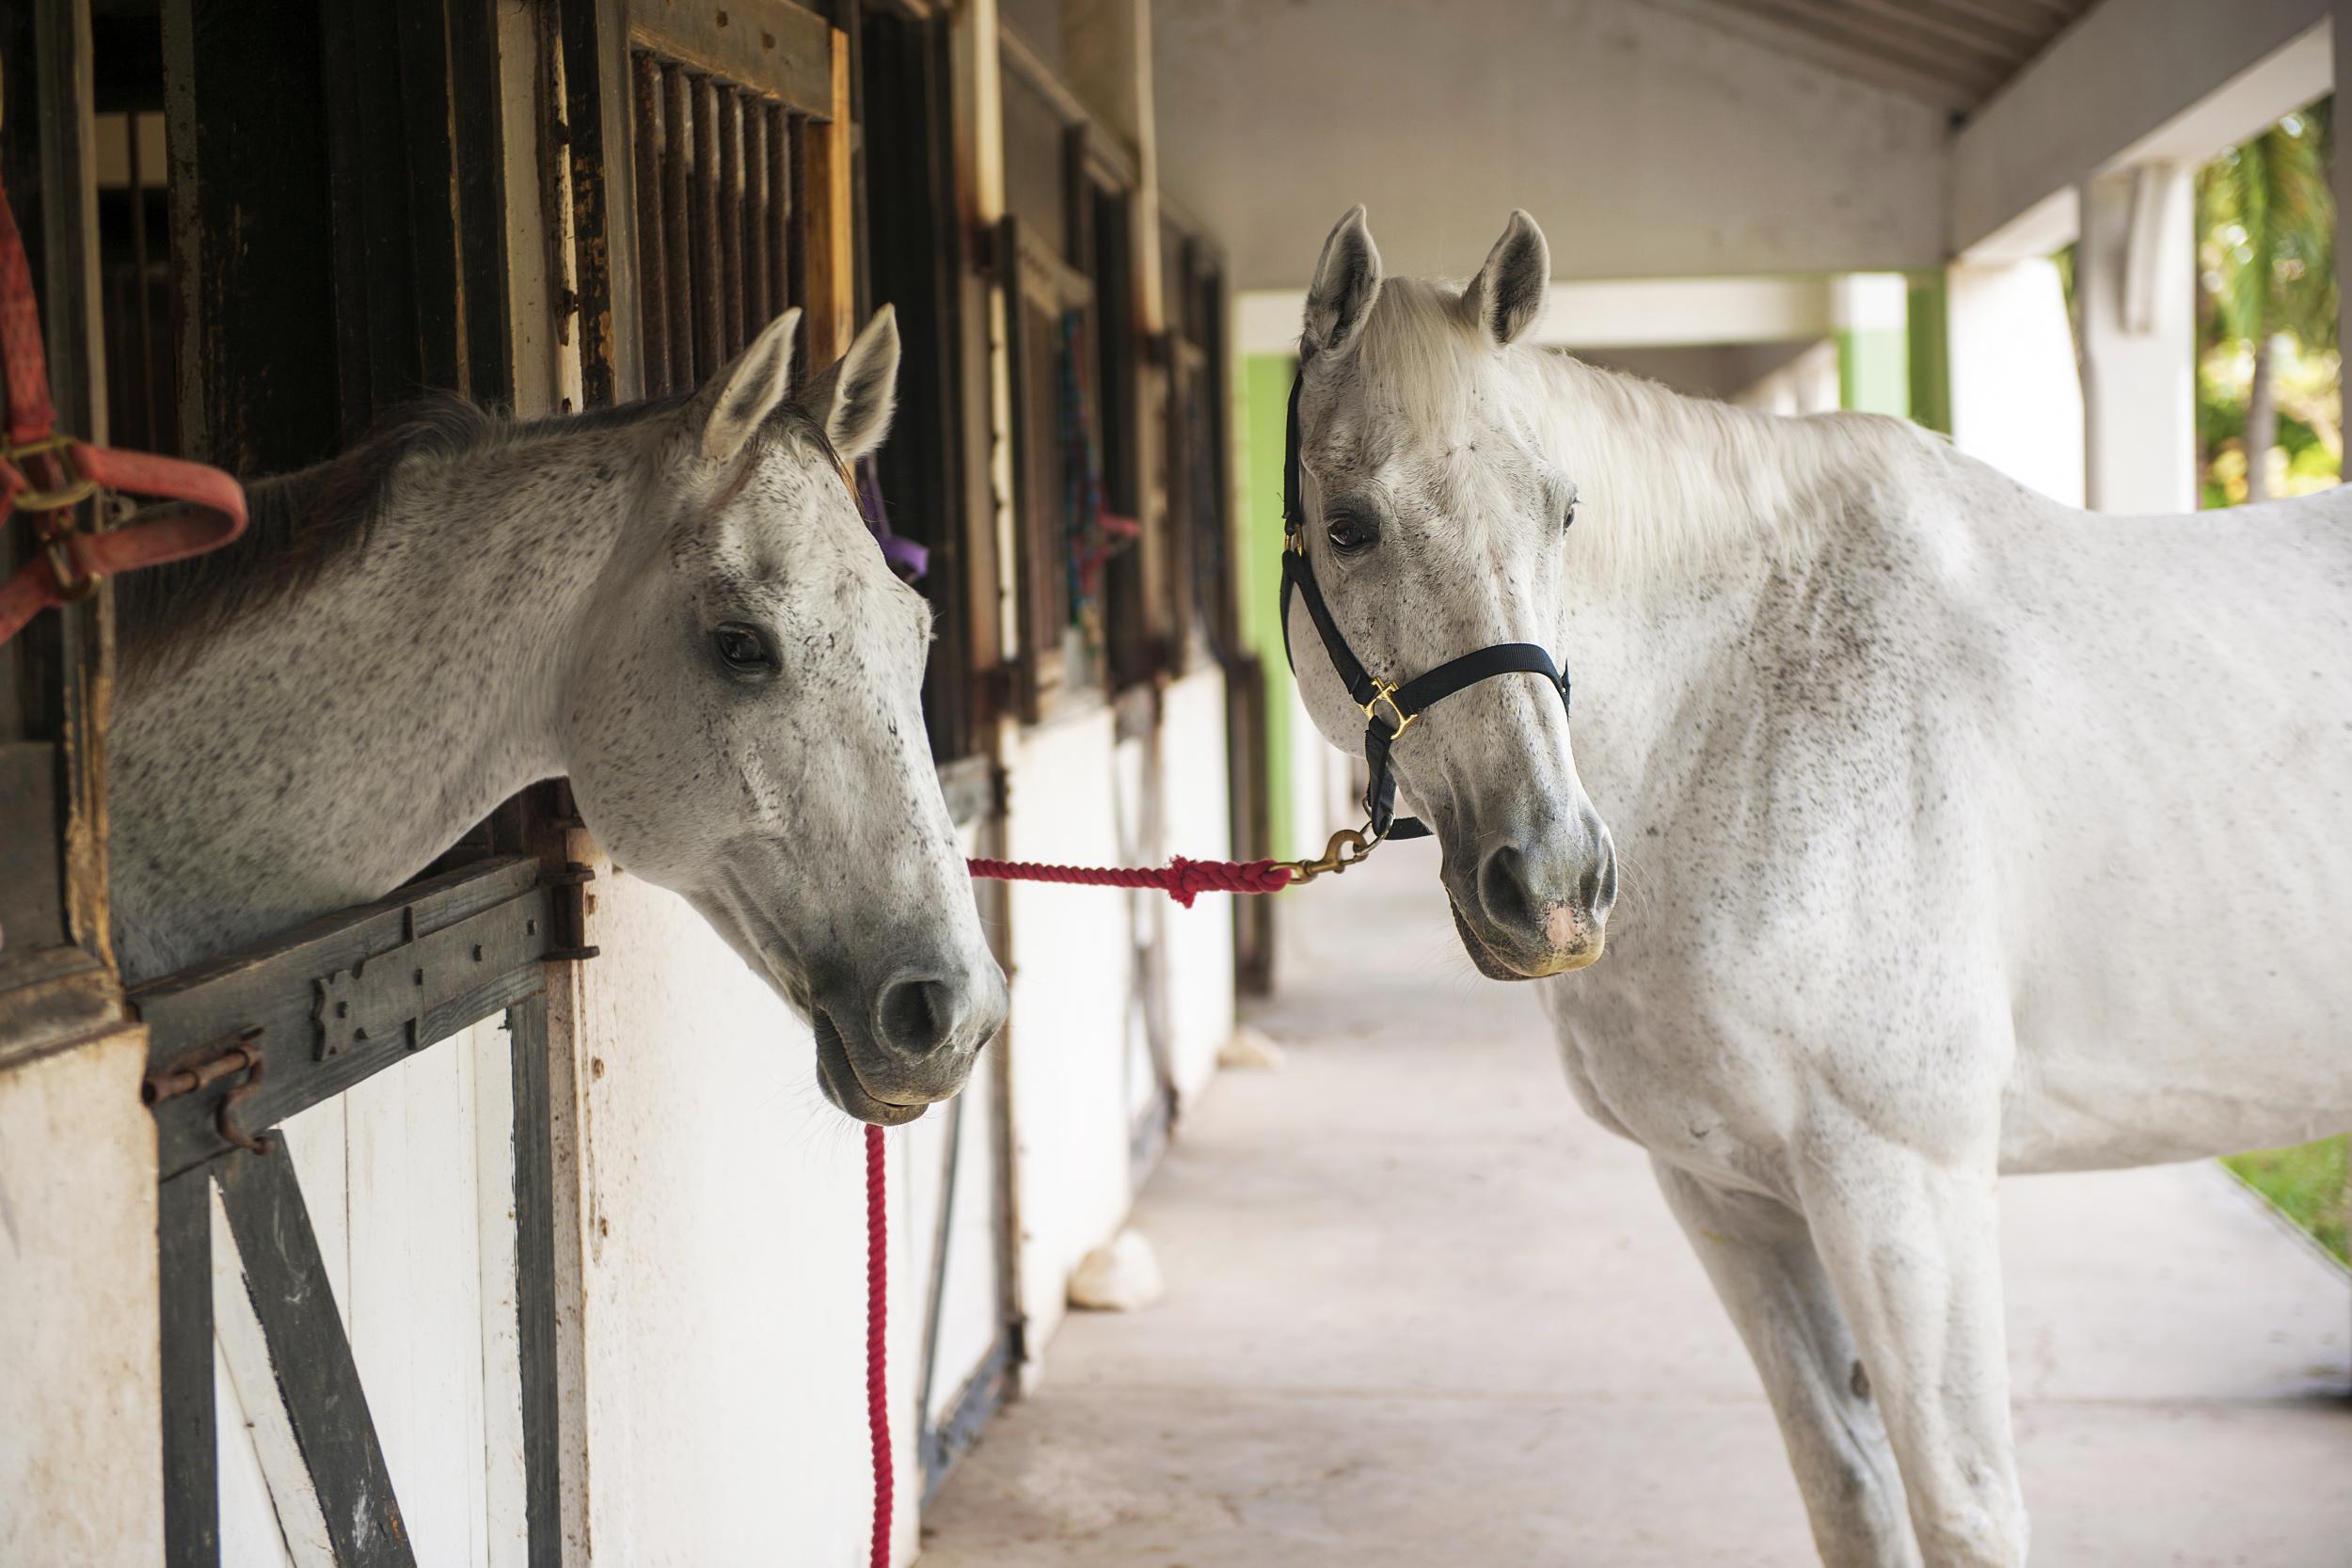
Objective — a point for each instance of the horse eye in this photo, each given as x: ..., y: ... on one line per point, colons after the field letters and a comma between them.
x: 1567, y: 518
x: 742, y: 649
x: 1350, y: 537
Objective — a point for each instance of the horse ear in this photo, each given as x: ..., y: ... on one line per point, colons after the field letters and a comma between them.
x: 1508, y: 296
x: 853, y: 398
x: 737, y: 401
x: 1347, y: 280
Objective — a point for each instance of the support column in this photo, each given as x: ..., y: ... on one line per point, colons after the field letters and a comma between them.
x: 2015, y: 399
x: 2135, y: 294
x: 1870, y: 314
x: 2341, y: 175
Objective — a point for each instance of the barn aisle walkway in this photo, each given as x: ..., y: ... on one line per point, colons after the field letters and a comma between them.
x: 1420, y: 1312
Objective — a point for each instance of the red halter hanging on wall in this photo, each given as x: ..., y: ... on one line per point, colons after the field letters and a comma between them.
x: 47, y: 475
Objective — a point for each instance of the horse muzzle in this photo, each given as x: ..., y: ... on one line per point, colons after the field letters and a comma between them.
x: 1536, y: 906
x: 885, y: 1053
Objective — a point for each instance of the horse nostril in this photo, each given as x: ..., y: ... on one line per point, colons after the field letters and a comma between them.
x: 915, y: 1015
x: 1503, y: 890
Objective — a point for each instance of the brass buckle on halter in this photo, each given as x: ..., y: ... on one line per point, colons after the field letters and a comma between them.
x: 1383, y: 691
x: 78, y: 488
x: 1348, y: 846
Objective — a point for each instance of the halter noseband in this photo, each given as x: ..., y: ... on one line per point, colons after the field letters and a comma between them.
x: 1389, y: 709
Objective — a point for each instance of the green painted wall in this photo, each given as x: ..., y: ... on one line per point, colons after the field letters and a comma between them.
x: 1930, y: 353
x: 1262, y: 400
x: 1874, y: 370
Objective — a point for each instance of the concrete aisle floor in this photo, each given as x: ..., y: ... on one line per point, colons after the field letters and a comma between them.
x: 1420, y: 1311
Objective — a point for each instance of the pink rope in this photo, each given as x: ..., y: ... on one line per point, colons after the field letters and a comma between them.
x: 877, y: 1320
x: 1180, y: 878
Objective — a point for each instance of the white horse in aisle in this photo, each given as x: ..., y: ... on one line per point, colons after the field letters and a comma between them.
x: 676, y: 603
x: 1963, y: 832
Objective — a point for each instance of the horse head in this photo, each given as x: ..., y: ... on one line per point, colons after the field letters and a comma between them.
x: 1434, y: 524
x: 743, y: 725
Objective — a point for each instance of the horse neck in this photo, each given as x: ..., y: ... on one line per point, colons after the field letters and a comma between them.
x: 318, y: 753
x: 1671, y: 486
x: 1694, y: 521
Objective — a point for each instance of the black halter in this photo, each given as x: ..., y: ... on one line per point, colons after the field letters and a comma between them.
x: 1402, y: 703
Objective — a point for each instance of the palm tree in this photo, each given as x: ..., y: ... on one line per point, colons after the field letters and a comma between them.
x: 2266, y: 223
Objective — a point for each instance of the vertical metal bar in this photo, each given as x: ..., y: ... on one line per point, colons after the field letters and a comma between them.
x: 535, y: 1280
x: 709, y: 339
x: 761, y: 298
x: 732, y: 326
x: 184, y: 1256
x: 143, y: 270
x: 653, y: 303
x: 791, y: 254
x: 677, y: 151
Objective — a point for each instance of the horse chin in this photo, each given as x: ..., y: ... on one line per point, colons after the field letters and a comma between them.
x: 837, y: 1076
x: 1555, y: 961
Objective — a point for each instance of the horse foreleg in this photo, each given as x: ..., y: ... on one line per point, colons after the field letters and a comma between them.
x: 1760, y: 1257
x: 1911, y: 1246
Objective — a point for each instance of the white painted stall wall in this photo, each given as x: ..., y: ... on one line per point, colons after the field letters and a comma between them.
x: 1648, y: 143
x: 1197, y: 813
x: 81, y: 1404
x: 722, y: 1307
x: 1072, y: 958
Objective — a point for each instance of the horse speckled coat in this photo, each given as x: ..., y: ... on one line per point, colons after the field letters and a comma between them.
x: 1950, y: 832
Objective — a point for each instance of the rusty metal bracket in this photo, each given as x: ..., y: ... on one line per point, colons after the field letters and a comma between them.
x: 207, y: 1065
x: 568, y: 889
x: 384, y: 998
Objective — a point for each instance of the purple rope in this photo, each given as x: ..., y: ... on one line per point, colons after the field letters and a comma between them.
x: 906, y: 558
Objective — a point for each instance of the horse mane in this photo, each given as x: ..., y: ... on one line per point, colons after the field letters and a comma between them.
x: 298, y: 524
x: 1664, y: 479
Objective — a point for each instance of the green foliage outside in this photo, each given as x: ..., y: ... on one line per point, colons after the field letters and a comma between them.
x: 2269, y: 421
x: 2308, y: 1183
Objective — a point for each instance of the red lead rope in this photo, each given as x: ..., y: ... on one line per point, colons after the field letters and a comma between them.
x: 876, y: 1324
x: 1180, y: 878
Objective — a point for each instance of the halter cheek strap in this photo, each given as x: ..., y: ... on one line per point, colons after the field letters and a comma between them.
x: 1390, y: 709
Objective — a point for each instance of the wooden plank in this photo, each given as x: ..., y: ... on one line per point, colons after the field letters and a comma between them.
x: 286, y: 1279
x: 709, y: 292
x: 676, y: 223
x: 534, y: 1279
x: 729, y: 104
x: 184, y: 1253
x: 257, y: 355
x: 762, y: 289
x: 269, y: 1509
x: 832, y: 234
x: 650, y: 143
x: 593, y: 153
x: 773, y: 47
x: 477, y: 105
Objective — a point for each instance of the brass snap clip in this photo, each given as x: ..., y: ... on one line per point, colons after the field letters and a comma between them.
x: 1348, y: 846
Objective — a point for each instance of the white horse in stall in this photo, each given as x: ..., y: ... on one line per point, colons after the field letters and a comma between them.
x: 1962, y: 833
x: 676, y: 603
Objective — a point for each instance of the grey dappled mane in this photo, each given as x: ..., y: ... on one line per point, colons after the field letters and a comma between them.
x: 299, y: 524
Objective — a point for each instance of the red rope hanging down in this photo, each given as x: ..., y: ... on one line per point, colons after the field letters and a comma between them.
x: 877, y: 1321
x: 1180, y: 878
